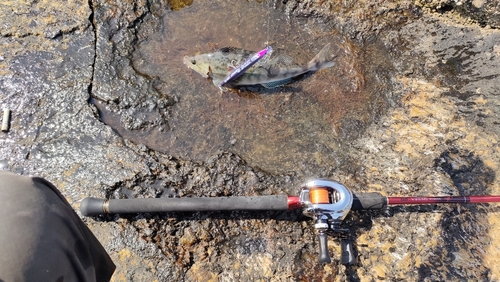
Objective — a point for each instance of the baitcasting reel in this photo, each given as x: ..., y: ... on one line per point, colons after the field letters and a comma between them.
x: 328, y: 203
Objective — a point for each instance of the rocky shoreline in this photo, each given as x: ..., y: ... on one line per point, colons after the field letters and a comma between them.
x: 438, y: 136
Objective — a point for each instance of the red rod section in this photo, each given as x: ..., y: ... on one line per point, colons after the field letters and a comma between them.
x: 294, y: 203
x: 440, y: 200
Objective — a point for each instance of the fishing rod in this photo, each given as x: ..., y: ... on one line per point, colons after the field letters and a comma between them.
x: 327, y: 202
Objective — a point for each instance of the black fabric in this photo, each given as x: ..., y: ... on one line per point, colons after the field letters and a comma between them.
x: 42, y: 238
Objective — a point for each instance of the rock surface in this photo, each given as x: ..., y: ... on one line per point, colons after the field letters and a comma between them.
x: 438, y: 136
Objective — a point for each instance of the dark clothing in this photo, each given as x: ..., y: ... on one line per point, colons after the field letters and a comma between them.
x: 42, y: 238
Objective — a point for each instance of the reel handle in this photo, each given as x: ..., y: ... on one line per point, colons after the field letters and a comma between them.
x: 324, y: 256
x: 347, y: 256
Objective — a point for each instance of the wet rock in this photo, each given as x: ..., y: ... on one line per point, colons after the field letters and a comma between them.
x: 54, y: 131
x: 359, y: 20
x: 43, y: 18
x: 483, y: 12
x: 436, y: 138
x: 137, y: 99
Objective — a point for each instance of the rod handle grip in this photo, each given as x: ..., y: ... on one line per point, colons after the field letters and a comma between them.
x: 368, y: 201
x: 92, y: 206
x: 324, y: 256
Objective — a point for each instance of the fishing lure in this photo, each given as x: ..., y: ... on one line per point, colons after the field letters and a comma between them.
x: 246, y: 65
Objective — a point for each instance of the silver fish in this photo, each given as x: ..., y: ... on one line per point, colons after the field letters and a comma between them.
x: 267, y: 72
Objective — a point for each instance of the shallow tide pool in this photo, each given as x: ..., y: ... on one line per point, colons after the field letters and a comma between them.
x: 302, y: 127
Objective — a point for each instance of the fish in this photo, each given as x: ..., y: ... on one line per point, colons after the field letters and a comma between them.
x: 268, y: 72
x: 238, y: 71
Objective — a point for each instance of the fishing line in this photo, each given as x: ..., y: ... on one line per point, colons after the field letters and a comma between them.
x: 239, y: 70
x: 268, y: 20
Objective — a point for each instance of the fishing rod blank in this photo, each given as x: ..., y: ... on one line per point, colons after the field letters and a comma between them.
x: 361, y: 201
x: 422, y: 200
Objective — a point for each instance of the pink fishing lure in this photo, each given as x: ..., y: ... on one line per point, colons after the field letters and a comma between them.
x: 246, y: 65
